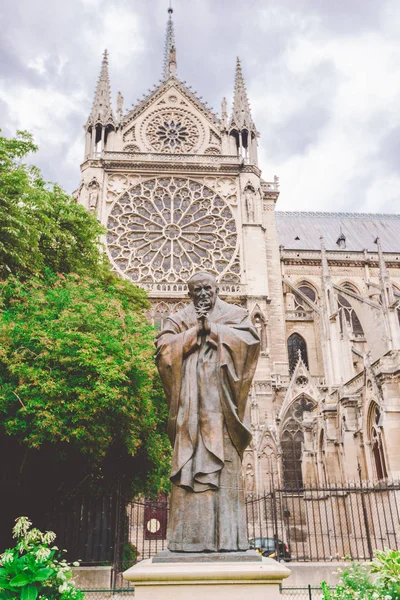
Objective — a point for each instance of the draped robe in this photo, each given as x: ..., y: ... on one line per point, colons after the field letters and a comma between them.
x: 206, y: 381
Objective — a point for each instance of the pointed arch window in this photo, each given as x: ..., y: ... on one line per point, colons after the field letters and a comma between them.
x: 347, y: 311
x: 308, y: 291
x: 292, y: 439
x: 296, y: 344
x: 375, y: 436
x: 269, y: 465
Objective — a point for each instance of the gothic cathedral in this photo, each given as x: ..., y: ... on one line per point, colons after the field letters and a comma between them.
x: 179, y: 189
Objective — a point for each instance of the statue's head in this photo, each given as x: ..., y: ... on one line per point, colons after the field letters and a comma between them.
x: 203, y: 290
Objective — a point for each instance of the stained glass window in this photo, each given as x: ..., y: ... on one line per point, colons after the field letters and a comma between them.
x: 296, y: 344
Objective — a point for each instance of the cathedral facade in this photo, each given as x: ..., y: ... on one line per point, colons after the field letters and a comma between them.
x: 179, y: 189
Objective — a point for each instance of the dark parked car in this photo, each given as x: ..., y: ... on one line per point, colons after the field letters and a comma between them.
x: 268, y: 547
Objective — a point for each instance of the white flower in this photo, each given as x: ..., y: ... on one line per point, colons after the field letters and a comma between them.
x: 42, y: 554
x: 375, y: 595
x: 388, y: 597
x: 76, y: 563
x: 49, y: 537
x: 21, y: 526
x: 33, y: 535
x: 64, y: 587
x: 6, y: 557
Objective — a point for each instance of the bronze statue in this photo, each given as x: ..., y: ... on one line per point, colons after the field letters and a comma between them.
x: 206, y: 355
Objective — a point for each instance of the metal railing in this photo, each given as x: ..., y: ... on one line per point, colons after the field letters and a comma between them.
x: 307, y: 524
x: 328, y: 523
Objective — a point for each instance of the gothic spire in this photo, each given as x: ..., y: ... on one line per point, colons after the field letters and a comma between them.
x: 387, y: 293
x: 102, y: 109
x: 169, y: 68
x: 324, y: 260
x: 241, y: 114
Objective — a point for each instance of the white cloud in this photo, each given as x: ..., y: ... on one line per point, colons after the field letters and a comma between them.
x: 361, y: 106
x: 325, y: 96
x: 120, y: 32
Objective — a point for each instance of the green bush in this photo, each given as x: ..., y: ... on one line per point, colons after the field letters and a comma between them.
x: 356, y: 582
x: 35, y: 568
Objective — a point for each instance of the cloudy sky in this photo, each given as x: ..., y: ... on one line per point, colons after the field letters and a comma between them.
x: 323, y: 79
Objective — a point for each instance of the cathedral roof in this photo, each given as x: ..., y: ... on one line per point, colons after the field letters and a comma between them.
x: 341, y: 231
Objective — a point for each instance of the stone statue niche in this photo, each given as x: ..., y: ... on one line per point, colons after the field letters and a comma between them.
x: 94, y: 194
x: 206, y: 356
x: 250, y: 201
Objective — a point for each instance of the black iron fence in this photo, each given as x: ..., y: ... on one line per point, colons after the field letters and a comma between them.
x: 308, y: 524
x: 327, y: 523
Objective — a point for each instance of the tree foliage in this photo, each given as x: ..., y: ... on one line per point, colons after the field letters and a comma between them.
x: 41, y: 226
x: 81, y: 405
x: 77, y: 371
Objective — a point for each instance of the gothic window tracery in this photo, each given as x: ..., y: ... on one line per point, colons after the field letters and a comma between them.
x: 269, y: 465
x: 172, y: 131
x: 160, y: 312
x: 296, y: 343
x: 166, y: 228
x: 292, y: 439
x: 347, y: 311
x: 375, y: 436
x: 308, y: 291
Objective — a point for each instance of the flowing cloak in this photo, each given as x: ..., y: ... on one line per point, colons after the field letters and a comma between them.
x: 206, y: 381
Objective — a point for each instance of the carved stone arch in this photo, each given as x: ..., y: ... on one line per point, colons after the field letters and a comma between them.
x: 178, y: 306
x: 309, y: 290
x: 269, y: 463
x: 160, y: 312
x: 375, y: 439
x: 212, y: 150
x: 349, y: 285
x: 347, y: 312
x: 292, y: 439
x: 260, y: 323
x: 297, y: 345
x: 131, y: 148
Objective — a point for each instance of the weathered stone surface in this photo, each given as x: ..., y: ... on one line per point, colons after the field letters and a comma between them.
x: 166, y: 556
x: 222, y: 580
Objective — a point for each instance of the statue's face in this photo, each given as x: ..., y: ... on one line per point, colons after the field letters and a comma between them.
x: 203, y: 291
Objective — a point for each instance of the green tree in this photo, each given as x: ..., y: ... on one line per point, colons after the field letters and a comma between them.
x: 77, y: 376
x: 81, y: 405
x: 41, y: 226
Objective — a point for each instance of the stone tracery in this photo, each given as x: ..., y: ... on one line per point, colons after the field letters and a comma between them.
x: 172, y: 131
x: 166, y: 228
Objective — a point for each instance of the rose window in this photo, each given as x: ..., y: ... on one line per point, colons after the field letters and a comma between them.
x: 172, y: 131
x: 166, y: 229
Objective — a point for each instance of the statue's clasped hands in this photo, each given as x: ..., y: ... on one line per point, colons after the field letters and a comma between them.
x: 203, y: 324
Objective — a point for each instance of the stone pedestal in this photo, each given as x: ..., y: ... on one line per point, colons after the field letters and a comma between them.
x: 222, y: 580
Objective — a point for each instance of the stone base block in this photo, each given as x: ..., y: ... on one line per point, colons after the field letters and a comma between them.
x: 212, y: 580
x: 166, y: 556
